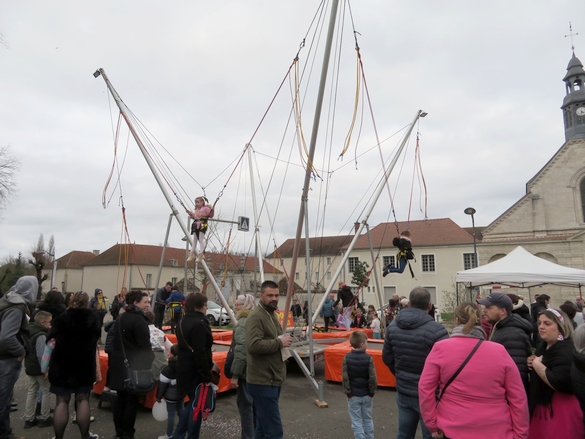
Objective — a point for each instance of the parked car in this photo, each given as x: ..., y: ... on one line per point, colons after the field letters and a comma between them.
x: 216, y: 314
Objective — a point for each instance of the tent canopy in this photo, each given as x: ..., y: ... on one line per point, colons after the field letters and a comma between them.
x: 522, y: 269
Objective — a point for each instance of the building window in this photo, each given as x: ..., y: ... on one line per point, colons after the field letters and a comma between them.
x: 328, y: 275
x: 388, y: 260
x: 317, y: 275
x: 428, y: 263
x: 174, y: 281
x: 174, y: 262
x: 328, y: 261
x: 582, y: 187
x: 469, y: 261
x: 352, y: 263
x: 148, y: 280
x: 296, y: 276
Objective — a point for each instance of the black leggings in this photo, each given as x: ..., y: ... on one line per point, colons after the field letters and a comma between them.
x: 125, y: 414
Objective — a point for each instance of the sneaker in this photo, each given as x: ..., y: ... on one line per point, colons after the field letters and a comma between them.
x: 191, y: 257
x: 92, y: 436
x: 31, y: 423
x: 163, y: 437
x: 46, y: 422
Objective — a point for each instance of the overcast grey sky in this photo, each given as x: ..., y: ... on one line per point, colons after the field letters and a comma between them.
x: 200, y: 75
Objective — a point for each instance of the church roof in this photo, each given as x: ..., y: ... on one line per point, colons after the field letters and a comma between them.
x: 574, y: 68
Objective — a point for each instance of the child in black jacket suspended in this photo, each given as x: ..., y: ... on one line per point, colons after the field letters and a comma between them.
x: 405, y: 253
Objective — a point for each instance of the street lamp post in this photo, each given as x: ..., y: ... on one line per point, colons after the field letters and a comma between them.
x: 471, y: 211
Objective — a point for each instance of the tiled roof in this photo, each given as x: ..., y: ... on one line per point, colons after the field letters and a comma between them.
x: 73, y: 259
x: 144, y: 255
x: 431, y: 232
x: 320, y: 246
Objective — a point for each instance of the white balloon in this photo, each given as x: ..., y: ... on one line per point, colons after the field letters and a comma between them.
x: 159, y: 411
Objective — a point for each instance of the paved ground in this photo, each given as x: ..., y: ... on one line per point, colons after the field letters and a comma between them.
x: 302, y: 419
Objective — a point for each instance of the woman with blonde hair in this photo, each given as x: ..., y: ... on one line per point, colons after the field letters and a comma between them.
x: 244, y: 305
x: 474, y: 376
x: 554, y: 409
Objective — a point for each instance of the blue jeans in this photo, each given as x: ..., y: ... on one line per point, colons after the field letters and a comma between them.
x: 360, y: 413
x: 268, y: 422
x: 9, y: 373
x: 400, y: 268
x: 186, y: 424
x: 409, y: 417
x: 377, y: 336
x: 174, y: 408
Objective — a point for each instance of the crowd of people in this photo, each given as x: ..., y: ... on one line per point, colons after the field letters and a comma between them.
x: 522, y: 367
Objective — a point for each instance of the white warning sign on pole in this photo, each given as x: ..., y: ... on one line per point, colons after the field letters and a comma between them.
x: 243, y: 223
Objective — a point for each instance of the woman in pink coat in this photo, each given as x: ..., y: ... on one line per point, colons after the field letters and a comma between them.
x: 487, y: 399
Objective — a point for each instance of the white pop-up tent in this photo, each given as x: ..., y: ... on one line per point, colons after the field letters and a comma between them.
x: 522, y: 269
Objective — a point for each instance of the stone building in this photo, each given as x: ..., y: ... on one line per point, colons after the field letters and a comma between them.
x: 549, y: 221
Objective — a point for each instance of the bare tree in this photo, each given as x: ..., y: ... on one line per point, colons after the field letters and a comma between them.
x: 40, y: 258
x: 8, y: 167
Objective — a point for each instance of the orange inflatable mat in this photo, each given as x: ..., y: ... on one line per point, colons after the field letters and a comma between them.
x: 333, y: 356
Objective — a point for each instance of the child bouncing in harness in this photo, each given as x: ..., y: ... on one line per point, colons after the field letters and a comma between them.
x: 405, y: 254
x: 203, y: 211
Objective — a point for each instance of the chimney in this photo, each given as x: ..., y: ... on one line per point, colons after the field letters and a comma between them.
x: 96, y: 252
x: 356, y: 226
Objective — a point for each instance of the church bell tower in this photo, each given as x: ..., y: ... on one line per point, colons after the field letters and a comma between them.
x: 574, y: 102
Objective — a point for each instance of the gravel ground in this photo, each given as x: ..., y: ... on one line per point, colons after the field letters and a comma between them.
x: 302, y: 419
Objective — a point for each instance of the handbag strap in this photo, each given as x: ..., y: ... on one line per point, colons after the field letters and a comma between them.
x: 122, y: 342
x: 200, y: 407
x: 183, y: 335
x: 458, y: 370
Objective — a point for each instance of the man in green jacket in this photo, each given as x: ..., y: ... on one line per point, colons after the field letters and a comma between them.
x: 266, y: 369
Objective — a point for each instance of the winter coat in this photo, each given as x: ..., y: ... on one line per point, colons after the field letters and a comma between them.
x: 131, y: 328
x: 358, y: 374
x: 55, y: 309
x: 496, y: 406
x: 578, y: 378
x: 167, y: 387
x: 240, y: 352
x: 345, y: 296
x: 38, y: 335
x: 14, y: 317
x: 328, y: 310
x: 76, y: 333
x: 409, y: 339
x: 264, y: 359
x: 513, y: 333
x: 117, y: 305
x: 194, y: 363
x: 522, y: 310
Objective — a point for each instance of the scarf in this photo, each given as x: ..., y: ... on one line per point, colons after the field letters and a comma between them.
x: 476, y: 332
x: 557, y: 360
x: 133, y: 308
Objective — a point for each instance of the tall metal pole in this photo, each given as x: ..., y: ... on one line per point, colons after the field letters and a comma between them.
x: 305, y: 194
x: 122, y: 106
x: 378, y: 290
x: 260, y: 259
x: 369, y: 210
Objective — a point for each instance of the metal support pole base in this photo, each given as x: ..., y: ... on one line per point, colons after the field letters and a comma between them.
x: 317, y: 386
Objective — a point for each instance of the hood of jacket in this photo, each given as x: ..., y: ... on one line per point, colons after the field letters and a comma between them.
x: 410, y: 318
x: 243, y: 313
x: 517, y: 321
x: 24, y: 291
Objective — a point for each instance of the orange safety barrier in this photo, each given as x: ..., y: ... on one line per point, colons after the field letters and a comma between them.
x: 149, y: 399
x: 341, y: 334
x: 334, y: 359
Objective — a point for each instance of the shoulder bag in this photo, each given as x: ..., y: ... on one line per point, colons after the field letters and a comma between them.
x: 458, y: 371
x: 136, y: 381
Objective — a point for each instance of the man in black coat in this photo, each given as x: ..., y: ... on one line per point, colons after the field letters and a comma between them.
x: 510, y: 330
x: 162, y: 294
x: 409, y: 340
